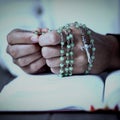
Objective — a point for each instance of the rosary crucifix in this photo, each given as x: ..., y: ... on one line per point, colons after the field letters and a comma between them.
x: 86, y: 48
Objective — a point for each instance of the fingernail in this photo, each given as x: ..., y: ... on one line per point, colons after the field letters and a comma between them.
x: 34, y: 38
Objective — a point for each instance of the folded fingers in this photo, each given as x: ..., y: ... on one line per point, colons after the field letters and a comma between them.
x: 26, y: 60
x: 17, y: 51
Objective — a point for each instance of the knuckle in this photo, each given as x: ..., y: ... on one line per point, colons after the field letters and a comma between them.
x: 45, y: 52
x: 49, y: 63
x: 11, y: 35
x: 21, y: 62
x: 33, y: 67
x: 54, y: 38
x: 82, y: 58
x: 13, y: 51
x: 54, y: 70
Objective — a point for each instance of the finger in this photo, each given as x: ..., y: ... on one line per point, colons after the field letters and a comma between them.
x: 35, y: 66
x: 53, y: 62
x: 17, y: 51
x: 54, y: 51
x: 51, y: 51
x: 24, y: 61
x: 50, y: 38
x: 18, y: 36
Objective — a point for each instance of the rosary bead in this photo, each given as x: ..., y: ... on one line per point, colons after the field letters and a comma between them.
x: 67, y: 38
x: 61, y: 71
x: 67, y: 54
x: 71, y: 61
x: 93, y: 49
x: 90, y: 65
x: 62, y: 43
x: 66, y: 69
x: 92, y: 41
x: 61, y: 58
x: 62, y: 51
x: 71, y: 53
x: 70, y: 36
x: 67, y: 61
x: 88, y: 32
x: 68, y: 46
x: 72, y: 44
x: 71, y: 68
x: 61, y: 65
x: 93, y: 57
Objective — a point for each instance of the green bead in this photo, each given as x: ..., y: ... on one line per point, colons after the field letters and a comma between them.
x: 67, y: 25
x: 72, y: 45
x: 66, y: 69
x: 93, y: 57
x: 68, y: 46
x: 70, y: 74
x: 92, y: 41
x: 62, y: 43
x: 71, y: 68
x: 67, y: 61
x: 84, y: 26
x: 86, y: 72
x: 61, y: 71
x: 61, y: 65
x: 70, y: 36
x: 88, y: 32
x: 76, y: 24
x: 71, y: 53
x: 66, y: 74
x: 67, y: 54
x: 61, y: 58
x: 62, y: 51
x: 89, y: 68
x: 71, y: 61
x: 67, y: 38
x: 90, y: 65
x: 93, y: 49
x: 59, y: 30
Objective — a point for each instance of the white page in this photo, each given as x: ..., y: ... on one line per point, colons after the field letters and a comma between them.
x: 50, y: 92
x: 112, y: 90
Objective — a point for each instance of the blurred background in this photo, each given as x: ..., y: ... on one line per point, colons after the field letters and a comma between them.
x: 103, y: 16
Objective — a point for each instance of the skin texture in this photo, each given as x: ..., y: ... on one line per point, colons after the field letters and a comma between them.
x: 32, y: 52
x: 25, y: 51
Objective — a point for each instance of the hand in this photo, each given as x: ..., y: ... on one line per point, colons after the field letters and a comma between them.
x: 103, y: 55
x: 25, y: 51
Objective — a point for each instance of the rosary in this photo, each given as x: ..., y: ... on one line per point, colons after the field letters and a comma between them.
x: 67, y: 46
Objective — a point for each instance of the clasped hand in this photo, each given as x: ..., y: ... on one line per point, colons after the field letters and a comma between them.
x: 34, y: 54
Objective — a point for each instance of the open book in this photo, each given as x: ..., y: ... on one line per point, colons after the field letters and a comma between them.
x: 50, y: 92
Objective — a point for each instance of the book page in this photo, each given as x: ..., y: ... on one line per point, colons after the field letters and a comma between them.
x: 112, y: 90
x: 50, y: 92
